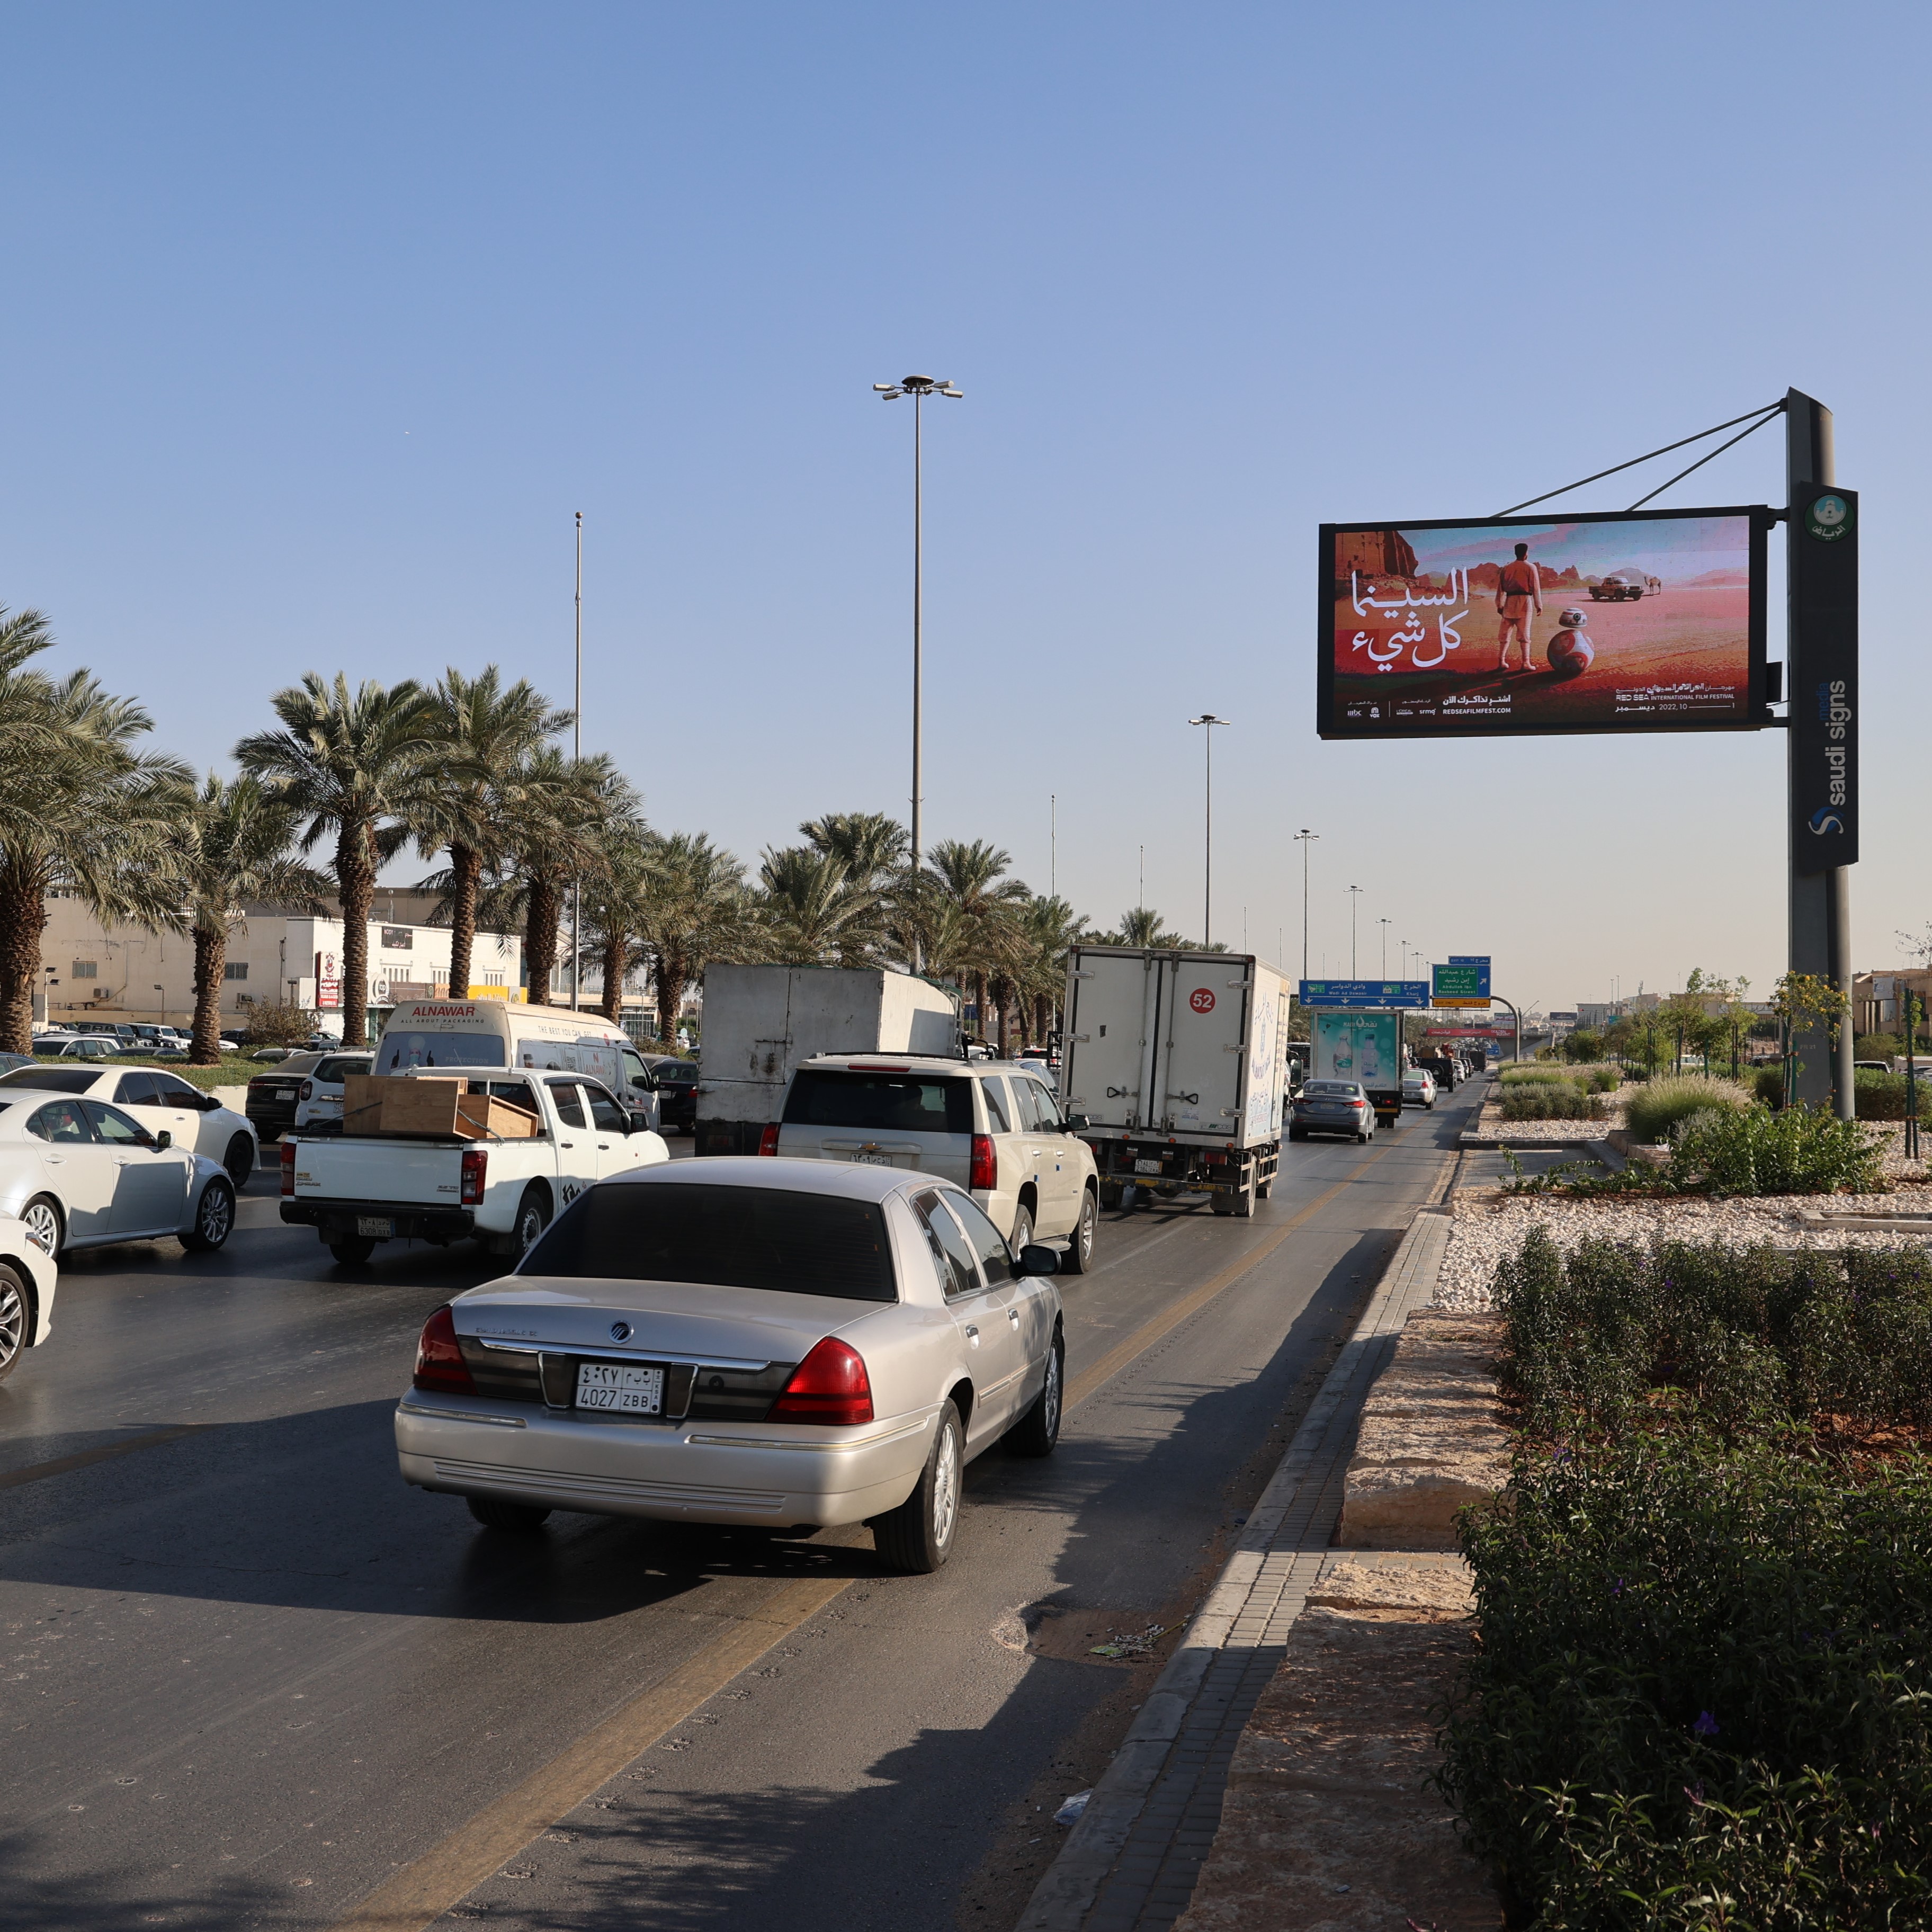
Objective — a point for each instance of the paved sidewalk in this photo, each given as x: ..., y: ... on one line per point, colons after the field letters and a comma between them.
x: 1130, y: 1864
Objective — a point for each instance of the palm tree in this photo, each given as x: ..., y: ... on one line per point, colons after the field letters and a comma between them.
x: 80, y: 810
x: 1051, y: 929
x: 228, y: 843
x: 554, y: 830
x: 872, y: 845
x: 969, y: 881
x: 696, y: 910
x: 616, y: 895
x: 1142, y: 927
x: 480, y: 738
x: 817, y: 912
x: 350, y: 763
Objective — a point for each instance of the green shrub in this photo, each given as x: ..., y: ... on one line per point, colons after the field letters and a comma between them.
x: 1659, y: 1105
x: 1768, y: 1083
x: 1794, y: 1151
x: 1550, y: 1100
x: 1881, y: 1096
x: 1533, y: 1076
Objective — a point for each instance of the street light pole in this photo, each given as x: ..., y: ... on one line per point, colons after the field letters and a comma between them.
x: 1386, y: 924
x: 1304, y: 838
x: 1354, y: 905
x: 577, y: 749
x: 1208, y: 718
x: 919, y: 387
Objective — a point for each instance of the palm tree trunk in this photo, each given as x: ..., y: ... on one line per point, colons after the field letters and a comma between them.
x: 541, y: 923
x: 979, y: 1004
x: 211, y: 961
x: 356, y: 880
x: 23, y: 917
x: 465, y: 868
x: 614, y: 952
x: 1002, y: 1014
x: 1042, y: 1017
x: 672, y: 974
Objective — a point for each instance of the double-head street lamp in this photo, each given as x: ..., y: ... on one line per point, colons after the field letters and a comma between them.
x: 1303, y: 839
x: 1208, y: 718
x: 919, y: 387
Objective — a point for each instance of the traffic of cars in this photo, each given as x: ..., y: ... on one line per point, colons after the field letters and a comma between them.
x: 161, y: 1101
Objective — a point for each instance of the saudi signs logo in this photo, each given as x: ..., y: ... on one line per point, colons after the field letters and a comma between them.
x: 1829, y: 518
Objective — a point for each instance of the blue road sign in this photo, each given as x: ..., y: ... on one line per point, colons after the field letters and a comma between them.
x: 1365, y: 993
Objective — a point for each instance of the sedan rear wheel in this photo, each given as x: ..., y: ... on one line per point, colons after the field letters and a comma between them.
x: 42, y: 1216
x: 12, y: 1318
x: 214, y: 1219
x: 493, y: 1513
x: 917, y: 1536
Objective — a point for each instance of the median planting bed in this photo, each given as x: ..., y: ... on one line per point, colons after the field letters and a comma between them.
x: 1702, y: 1696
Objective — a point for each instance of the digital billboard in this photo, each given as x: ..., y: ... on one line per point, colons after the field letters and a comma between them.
x: 1646, y: 620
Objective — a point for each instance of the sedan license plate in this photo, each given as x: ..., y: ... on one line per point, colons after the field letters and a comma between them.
x: 1146, y: 1167
x: 380, y: 1226
x: 616, y: 1385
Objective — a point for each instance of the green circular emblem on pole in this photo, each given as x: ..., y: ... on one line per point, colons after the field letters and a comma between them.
x: 1829, y: 518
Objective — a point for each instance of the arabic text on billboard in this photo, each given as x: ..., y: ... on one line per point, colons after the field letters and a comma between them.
x: 1647, y: 621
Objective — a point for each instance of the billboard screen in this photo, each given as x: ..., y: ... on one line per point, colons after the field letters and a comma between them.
x: 1649, y: 620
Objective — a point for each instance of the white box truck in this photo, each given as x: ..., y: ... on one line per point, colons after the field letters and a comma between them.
x: 1177, y: 1061
x: 760, y: 1021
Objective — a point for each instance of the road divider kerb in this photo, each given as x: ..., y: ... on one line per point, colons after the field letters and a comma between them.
x: 423, y: 1891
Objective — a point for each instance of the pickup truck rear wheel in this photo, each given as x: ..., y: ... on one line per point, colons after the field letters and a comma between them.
x: 532, y: 1218
x: 353, y: 1250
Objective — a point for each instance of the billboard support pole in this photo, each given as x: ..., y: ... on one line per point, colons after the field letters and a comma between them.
x: 1820, y: 936
x: 1516, y: 1016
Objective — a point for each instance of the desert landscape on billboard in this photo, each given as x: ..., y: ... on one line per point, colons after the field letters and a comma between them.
x: 1643, y: 622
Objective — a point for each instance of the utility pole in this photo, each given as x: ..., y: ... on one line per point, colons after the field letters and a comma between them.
x: 1208, y: 718
x: 919, y: 387
x: 1386, y: 924
x: 1053, y: 845
x: 1354, y: 904
x: 577, y: 748
x: 1304, y: 838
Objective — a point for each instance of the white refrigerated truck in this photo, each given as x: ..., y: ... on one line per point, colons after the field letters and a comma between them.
x: 760, y: 1021
x: 1177, y: 1061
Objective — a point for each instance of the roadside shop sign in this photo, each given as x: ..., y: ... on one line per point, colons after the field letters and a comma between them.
x: 1365, y: 993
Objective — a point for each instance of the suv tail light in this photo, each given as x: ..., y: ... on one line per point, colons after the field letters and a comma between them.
x: 475, y: 1175
x: 288, y: 1167
x: 768, y: 1140
x: 830, y: 1386
x: 308, y: 1090
x: 984, y: 1174
x: 440, y: 1367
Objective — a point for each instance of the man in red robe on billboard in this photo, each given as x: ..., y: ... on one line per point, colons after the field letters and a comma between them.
x: 1519, y: 594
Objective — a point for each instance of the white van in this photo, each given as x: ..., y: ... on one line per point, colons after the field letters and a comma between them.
x: 497, y: 1033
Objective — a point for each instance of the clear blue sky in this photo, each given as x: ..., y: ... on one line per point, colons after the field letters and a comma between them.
x: 322, y: 321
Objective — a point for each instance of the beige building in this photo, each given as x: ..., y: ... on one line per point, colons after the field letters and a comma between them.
x: 125, y: 972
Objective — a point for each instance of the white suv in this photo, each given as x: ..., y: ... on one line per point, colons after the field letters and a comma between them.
x: 992, y: 1127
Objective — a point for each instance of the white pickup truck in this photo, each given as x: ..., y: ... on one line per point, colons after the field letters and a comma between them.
x: 356, y: 1189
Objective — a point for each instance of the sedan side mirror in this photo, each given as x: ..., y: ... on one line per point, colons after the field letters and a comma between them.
x: 163, y: 1140
x: 1035, y: 1259
x: 1076, y: 1124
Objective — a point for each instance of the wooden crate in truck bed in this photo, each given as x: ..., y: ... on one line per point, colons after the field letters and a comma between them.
x: 441, y: 1108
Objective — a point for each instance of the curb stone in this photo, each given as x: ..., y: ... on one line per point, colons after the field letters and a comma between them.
x: 1237, y: 1635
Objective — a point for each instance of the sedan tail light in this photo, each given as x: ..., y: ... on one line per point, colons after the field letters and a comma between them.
x: 830, y: 1386
x: 288, y: 1167
x: 984, y: 1174
x: 440, y: 1367
x: 475, y: 1175
x: 768, y: 1140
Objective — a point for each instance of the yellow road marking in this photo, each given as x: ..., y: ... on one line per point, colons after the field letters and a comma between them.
x: 37, y: 1472
x: 421, y: 1892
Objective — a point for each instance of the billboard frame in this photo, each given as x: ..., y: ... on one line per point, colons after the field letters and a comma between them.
x: 1330, y: 726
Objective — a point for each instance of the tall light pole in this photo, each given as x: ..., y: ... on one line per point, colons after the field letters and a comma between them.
x: 1208, y: 718
x: 919, y: 387
x: 577, y: 750
x: 1386, y: 924
x: 1354, y: 905
x: 1304, y: 838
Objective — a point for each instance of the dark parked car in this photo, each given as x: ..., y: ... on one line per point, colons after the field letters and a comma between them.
x: 273, y: 1097
x: 677, y: 1093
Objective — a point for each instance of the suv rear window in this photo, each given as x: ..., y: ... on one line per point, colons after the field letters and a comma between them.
x: 899, y: 1103
x: 764, y: 1237
x: 331, y: 1071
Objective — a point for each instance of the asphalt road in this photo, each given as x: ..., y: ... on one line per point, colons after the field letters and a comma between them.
x: 252, y: 1679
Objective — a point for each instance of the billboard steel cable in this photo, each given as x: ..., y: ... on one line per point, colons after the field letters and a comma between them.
x: 1647, y: 620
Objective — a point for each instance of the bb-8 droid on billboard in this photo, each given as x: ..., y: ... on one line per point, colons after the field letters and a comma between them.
x: 1571, y: 653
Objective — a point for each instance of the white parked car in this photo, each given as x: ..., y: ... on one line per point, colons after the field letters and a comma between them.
x: 990, y: 1126
x: 81, y: 1173
x: 738, y: 1340
x: 160, y: 1101
x: 1418, y: 1087
x: 28, y: 1275
x: 75, y: 1046
x: 318, y: 1096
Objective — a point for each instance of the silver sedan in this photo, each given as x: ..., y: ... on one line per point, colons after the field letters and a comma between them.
x: 783, y: 1343
x: 80, y: 1174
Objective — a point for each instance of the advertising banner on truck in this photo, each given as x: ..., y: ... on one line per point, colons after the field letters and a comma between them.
x: 1358, y: 1046
x: 1647, y: 620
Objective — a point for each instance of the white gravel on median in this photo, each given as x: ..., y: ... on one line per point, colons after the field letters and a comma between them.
x: 1485, y: 1228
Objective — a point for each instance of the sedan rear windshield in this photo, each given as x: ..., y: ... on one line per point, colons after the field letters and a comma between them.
x: 874, y: 1103
x: 400, y: 1052
x: 1345, y: 1089
x: 764, y: 1238
x: 53, y: 1079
